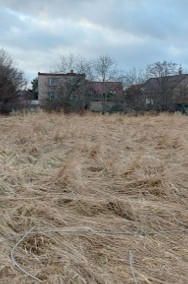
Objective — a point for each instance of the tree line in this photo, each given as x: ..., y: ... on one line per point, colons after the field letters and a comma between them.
x: 103, y: 68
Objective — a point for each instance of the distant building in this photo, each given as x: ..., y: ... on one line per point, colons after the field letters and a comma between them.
x: 51, y: 84
x: 96, y: 96
x: 168, y: 93
x: 105, y: 95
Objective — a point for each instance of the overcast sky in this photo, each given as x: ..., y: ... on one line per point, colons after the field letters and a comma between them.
x: 133, y: 32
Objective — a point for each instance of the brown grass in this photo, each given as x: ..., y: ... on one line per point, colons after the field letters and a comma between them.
x: 97, y: 190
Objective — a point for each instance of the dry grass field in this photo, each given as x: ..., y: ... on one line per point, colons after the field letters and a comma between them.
x: 93, y: 199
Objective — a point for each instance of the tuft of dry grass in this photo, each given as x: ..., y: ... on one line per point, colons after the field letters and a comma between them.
x: 106, y: 196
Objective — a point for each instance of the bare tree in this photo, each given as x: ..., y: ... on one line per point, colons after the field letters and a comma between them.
x: 76, y: 63
x: 163, y: 72
x: 68, y: 63
x: 105, y: 68
x: 102, y: 70
x: 11, y: 79
x: 134, y: 77
x: 162, y: 69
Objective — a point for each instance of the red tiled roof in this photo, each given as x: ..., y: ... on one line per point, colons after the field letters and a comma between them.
x: 133, y: 89
x: 104, y: 87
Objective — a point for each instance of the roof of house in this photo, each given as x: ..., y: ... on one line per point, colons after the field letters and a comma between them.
x: 169, y: 82
x: 53, y: 74
x: 104, y: 87
x: 133, y: 89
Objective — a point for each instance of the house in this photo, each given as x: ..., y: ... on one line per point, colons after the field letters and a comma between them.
x: 168, y: 93
x: 104, y: 96
x: 57, y: 90
x: 78, y: 92
x: 50, y: 85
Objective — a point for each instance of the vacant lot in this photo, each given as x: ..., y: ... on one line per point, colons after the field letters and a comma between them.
x: 93, y: 199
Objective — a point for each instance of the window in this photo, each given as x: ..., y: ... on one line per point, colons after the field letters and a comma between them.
x: 52, y: 82
x: 149, y: 101
x: 51, y: 95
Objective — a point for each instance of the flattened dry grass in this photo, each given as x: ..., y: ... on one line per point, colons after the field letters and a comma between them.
x: 95, y: 189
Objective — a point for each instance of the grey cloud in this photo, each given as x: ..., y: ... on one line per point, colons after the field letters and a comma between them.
x: 135, y: 32
x: 141, y: 17
x: 7, y: 22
